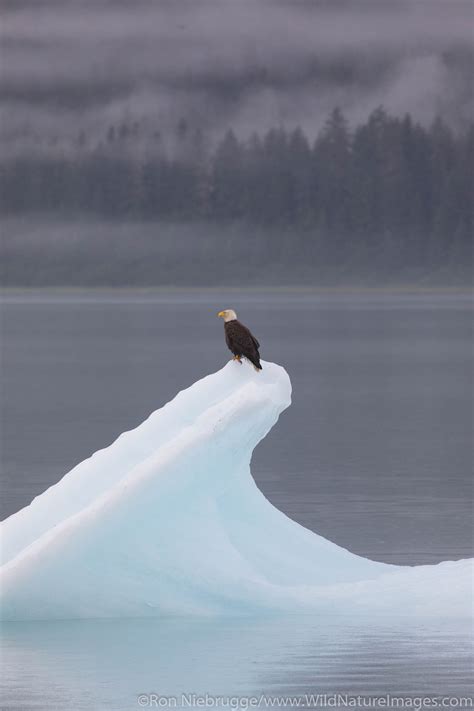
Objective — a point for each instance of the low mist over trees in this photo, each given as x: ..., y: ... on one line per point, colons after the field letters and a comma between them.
x: 387, y: 190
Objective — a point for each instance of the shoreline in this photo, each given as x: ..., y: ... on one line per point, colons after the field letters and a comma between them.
x: 310, y: 290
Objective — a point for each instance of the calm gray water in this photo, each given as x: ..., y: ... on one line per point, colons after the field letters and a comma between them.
x: 375, y: 454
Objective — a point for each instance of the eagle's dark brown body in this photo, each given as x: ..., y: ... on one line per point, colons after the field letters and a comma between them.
x: 241, y: 342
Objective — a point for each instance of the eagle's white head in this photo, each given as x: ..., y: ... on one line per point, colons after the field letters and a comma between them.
x: 227, y: 315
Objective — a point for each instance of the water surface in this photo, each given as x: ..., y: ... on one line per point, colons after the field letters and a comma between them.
x: 375, y: 453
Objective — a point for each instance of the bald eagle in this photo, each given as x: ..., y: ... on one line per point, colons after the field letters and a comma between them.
x: 239, y: 339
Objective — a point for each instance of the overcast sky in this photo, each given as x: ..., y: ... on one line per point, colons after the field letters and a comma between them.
x: 72, y: 64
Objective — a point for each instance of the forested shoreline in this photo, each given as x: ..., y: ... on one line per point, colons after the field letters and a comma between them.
x: 388, y: 191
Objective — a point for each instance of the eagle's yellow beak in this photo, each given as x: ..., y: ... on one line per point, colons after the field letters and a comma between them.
x: 221, y: 314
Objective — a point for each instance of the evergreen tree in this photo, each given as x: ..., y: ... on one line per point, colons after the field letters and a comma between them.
x: 332, y: 155
x: 300, y: 170
x: 227, y: 182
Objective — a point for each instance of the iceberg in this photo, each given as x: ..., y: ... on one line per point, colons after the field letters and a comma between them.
x: 168, y: 520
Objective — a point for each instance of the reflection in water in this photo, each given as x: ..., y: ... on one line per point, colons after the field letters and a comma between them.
x: 106, y: 664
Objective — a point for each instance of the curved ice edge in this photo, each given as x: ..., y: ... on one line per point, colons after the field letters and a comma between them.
x: 209, y: 423
x: 106, y: 467
x: 168, y: 520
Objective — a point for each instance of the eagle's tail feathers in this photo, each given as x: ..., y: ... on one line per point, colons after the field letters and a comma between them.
x: 256, y: 363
